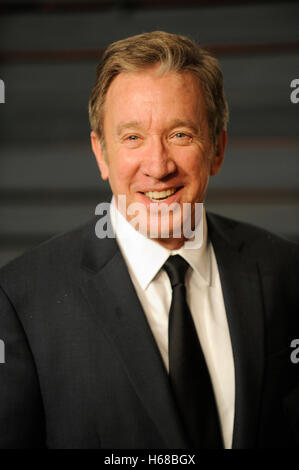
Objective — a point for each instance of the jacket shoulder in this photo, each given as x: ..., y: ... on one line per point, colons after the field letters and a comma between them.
x: 52, y: 257
x: 256, y: 241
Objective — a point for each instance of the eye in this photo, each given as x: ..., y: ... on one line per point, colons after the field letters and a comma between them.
x: 132, y: 140
x: 181, y: 138
x: 180, y: 135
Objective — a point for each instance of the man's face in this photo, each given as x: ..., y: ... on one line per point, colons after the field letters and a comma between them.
x: 157, y: 139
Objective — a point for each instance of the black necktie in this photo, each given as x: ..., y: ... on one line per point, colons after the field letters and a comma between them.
x: 188, y: 372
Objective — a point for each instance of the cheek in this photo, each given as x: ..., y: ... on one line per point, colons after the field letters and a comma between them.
x: 123, y: 170
x: 195, y: 165
x: 197, y: 172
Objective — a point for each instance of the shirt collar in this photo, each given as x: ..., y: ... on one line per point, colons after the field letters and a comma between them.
x: 145, y: 257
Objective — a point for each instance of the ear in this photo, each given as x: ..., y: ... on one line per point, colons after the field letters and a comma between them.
x: 218, y: 157
x: 99, y: 154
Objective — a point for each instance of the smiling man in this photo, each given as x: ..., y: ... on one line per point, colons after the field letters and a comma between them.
x: 140, y: 340
x: 156, y: 134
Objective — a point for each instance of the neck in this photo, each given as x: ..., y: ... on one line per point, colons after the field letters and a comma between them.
x: 170, y: 243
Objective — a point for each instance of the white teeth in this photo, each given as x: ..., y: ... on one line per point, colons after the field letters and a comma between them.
x: 160, y: 194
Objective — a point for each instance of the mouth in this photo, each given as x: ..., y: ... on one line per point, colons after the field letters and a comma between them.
x: 158, y: 196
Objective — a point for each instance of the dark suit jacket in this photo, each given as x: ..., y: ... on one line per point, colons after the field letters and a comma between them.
x: 83, y: 370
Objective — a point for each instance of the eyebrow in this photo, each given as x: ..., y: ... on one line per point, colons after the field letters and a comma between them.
x: 174, y: 123
x: 127, y: 125
x: 184, y: 123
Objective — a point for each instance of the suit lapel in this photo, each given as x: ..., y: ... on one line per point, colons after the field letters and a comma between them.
x: 241, y: 286
x: 116, y: 308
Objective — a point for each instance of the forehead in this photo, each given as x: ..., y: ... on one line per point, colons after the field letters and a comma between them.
x: 136, y: 94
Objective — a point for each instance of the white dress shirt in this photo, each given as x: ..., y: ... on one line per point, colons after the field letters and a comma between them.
x: 145, y: 258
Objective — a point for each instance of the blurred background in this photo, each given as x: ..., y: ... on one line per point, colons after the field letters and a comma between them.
x: 49, y: 181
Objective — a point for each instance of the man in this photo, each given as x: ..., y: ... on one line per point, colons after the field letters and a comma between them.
x: 139, y: 340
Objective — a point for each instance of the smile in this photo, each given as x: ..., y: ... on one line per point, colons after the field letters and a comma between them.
x: 160, y: 195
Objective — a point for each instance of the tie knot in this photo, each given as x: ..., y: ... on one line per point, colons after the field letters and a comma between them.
x: 176, y: 268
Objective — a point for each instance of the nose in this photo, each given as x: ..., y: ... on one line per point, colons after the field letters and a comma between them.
x: 158, y: 163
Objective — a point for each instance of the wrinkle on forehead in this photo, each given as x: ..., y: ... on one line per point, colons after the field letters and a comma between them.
x: 152, y: 103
